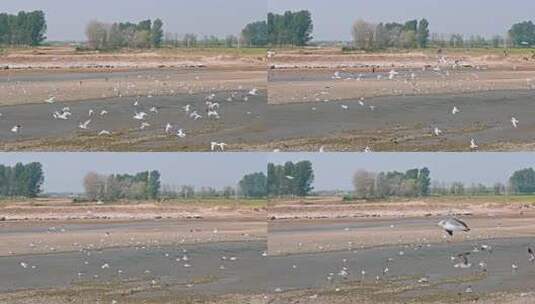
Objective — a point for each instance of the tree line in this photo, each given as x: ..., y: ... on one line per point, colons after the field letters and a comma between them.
x: 290, y: 28
x: 290, y: 179
x: 145, y: 34
x: 25, y: 28
x: 412, y: 183
x: 370, y: 36
x: 140, y: 186
x: 21, y: 180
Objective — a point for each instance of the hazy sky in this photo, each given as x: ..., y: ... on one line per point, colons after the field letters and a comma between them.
x: 64, y: 172
x: 333, y: 18
x: 67, y: 18
x: 334, y: 171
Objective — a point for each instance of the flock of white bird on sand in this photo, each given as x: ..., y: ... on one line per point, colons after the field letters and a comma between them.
x: 450, y: 225
x: 410, y: 79
x: 212, y: 112
x: 93, y: 266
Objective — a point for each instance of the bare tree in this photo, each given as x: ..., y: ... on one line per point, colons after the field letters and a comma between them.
x: 363, y: 34
x: 97, y: 34
x: 364, y: 183
x: 94, y: 186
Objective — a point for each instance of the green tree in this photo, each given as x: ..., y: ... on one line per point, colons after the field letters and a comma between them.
x: 157, y: 33
x: 523, y: 181
x: 304, y: 177
x: 424, y: 182
x: 254, y: 185
x: 423, y: 33
x: 523, y: 34
x: 154, y: 184
x: 255, y: 34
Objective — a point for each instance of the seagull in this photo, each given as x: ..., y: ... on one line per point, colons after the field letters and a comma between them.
x: 195, y: 115
x: 367, y: 149
x: 140, y: 115
x: 144, y: 125
x: 464, y: 261
x: 322, y: 149
x: 345, y: 107
x: 63, y: 115
x: 455, y: 110
x: 392, y: 74
x: 531, y: 255
x: 253, y: 92
x: 104, y: 132
x: 214, y: 145
x: 214, y: 114
x: 473, y: 144
x: 91, y: 112
x: 514, y: 121
x: 452, y: 224
x: 153, y: 109
x: 23, y: 265
x: 168, y: 128
x: 16, y: 129
x: 85, y: 124
x: 180, y: 133
x: 186, y: 108
x: 437, y: 132
x: 50, y: 100
x: 103, y: 112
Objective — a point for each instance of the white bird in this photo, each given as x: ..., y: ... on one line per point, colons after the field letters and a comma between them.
x: 140, y: 115
x: 186, y: 108
x: 153, y: 109
x: 104, y: 132
x: 103, y: 112
x: 367, y: 149
x: 144, y: 125
x: 345, y: 107
x: 214, y: 145
x: 180, y: 133
x: 91, y: 112
x: 253, y: 92
x: 16, y: 129
x: 515, y: 122
x: 50, y: 100
x: 455, y: 110
x: 195, y: 115
x: 213, y: 114
x: 64, y: 115
x: 452, y: 224
x: 437, y: 132
x: 85, y: 124
x: 168, y: 128
x: 322, y: 149
x: 392, y: 74
x: 473, y: 144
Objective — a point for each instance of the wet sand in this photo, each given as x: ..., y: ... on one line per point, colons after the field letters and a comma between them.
x: 239, y: 124
x: 406, y: 123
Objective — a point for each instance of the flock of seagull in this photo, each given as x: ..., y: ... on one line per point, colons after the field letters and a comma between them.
x: 460, y: 260
x: 212, y: 113
x: 392, y: 76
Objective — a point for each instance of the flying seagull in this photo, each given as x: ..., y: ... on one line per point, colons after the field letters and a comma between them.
x: 455, y: 110
x: 140, y: 115
x: 514, y: 121
x: 50, y: 100
x: 85, y: 124
x: 16, y: 129
x: 452, y: 224
x: 437, y: 132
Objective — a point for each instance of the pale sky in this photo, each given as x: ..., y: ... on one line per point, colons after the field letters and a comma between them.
x: 67, y: 18
x: 334, y: 171
x: 64, y: 172
x: 333, y: 18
